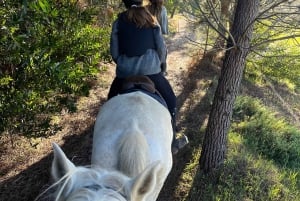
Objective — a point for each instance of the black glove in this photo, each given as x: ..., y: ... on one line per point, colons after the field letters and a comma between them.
x: 163, y: 67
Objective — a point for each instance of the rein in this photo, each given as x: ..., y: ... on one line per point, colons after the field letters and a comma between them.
x: 97, y: 187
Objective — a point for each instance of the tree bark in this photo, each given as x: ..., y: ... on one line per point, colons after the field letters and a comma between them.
x: 215, y: 139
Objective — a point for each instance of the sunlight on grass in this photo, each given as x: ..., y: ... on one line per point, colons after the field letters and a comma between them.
x: 256, y: 177
x: 188, y: 176
x: 262, y: 161
x: 174, y: 24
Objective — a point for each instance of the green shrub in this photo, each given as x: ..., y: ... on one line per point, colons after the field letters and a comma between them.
x: 50, y: 52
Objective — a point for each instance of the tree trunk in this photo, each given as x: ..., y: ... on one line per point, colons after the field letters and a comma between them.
x: 215, y: 140
x: 175, y: 4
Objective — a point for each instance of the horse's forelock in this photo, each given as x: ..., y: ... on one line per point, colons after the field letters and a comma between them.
x: 66, y: 183
x: 62, y: 181
x: 76, y: 179
x: 111, y: 187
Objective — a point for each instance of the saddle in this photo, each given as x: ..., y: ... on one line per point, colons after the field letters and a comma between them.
x: 144, y: 84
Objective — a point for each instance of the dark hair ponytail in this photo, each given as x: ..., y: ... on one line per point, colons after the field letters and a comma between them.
x: 155, y: 7
x: 140, y: 16
x: 130, y: 3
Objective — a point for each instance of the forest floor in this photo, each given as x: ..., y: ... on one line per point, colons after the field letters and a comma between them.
x: 25, y: 164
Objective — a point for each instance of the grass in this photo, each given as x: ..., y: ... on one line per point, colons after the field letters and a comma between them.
x: 262, y: 160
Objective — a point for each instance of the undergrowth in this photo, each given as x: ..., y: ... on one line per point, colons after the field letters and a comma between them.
x: 263, y: 159
x: 50, y: 53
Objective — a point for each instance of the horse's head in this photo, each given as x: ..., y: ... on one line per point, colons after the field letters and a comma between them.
x: 96, y: 184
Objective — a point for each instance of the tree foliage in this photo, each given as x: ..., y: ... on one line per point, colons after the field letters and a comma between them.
x: 279, y: 63
x: 275, y: 28
x: 214, y: 145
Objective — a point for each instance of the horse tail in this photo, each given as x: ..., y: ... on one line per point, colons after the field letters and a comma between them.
x: 133, y: 153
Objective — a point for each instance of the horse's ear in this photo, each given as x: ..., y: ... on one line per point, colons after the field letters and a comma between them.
x: 60, y: 164
x: 145, y: 182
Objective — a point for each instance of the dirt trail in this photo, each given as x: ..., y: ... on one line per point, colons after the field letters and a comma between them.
x: 25, y: 170
x: 180, y: 52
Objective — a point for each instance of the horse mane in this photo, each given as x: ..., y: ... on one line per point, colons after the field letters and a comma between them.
x: 133, y: 153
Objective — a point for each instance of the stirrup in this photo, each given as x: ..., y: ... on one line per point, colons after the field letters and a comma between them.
x: 179, y: 143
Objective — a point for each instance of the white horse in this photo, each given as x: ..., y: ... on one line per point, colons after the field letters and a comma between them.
x: 131, y: 155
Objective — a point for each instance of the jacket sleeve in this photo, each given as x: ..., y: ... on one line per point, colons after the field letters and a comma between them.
x: 160, y: 45
x: 164, y: 21
x: 114, y: 42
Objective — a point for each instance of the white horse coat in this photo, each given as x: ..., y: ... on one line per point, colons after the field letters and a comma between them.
x: 131, y: 155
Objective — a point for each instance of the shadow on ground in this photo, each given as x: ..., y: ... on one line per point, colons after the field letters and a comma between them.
x: 194, y: 105
x: 197, y: 107
x: 28, y: 184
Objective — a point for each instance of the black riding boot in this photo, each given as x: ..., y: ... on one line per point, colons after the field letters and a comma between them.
x: 177, y: 143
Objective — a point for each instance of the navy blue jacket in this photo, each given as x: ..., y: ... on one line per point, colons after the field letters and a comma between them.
x: 133, y: 50
x: 134, y: 41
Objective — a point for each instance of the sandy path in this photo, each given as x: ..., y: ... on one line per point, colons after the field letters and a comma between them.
x: 22, y: 162
x: 180, y: 52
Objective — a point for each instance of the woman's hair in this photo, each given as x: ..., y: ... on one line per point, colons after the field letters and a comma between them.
x: 155, y: 7
x: 129, y: 3
x: 138, y: 14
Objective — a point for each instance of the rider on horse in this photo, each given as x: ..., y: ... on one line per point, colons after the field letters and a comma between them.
x: 138, y: 49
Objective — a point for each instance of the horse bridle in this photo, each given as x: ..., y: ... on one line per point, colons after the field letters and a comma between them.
x: 94, y: 187
x: 97, y: 187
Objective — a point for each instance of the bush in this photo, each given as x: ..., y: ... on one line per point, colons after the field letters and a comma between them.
x: 50, y: 51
